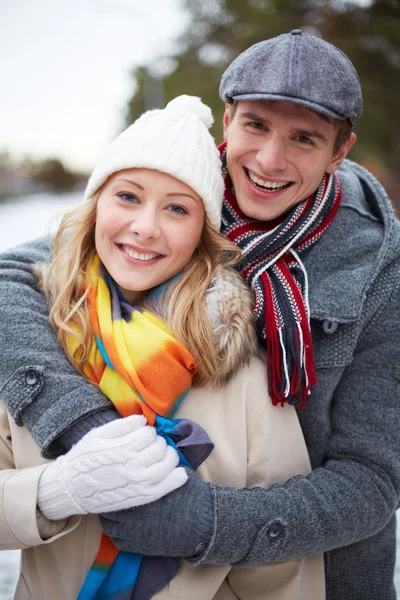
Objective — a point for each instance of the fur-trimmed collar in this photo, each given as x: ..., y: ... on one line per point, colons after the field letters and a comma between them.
x: 230, y: 307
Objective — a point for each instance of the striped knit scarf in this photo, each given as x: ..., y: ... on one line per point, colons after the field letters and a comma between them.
x: 272, y: 267
x: 142, y: 369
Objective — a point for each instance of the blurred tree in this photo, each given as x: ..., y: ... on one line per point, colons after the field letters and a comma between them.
x: 5, y: 159
x: 19, y: 177
x: 369, y: 33
x: 52, y: 173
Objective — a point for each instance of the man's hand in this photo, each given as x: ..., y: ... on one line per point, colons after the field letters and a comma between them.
x: 180, y: 524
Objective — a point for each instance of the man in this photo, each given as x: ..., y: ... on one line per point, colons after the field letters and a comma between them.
x: 314, y: 245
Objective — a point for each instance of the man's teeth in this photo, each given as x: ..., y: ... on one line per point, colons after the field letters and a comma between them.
x: 138, y: 256
x: 268, y: 185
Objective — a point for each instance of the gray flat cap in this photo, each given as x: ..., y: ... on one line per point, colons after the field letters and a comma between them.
x: 296, y: 67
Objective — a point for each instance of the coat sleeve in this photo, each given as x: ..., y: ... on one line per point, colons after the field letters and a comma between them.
x: 19, y: 526
x: 356, y: 492
x: 39, y: 386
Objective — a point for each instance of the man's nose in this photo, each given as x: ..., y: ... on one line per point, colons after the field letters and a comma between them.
x: 272, y: 156
x: 146, y: 223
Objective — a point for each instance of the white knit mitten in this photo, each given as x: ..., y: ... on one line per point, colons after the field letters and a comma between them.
x: 118, y: 465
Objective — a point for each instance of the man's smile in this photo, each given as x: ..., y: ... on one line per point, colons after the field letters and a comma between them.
x: 266, y: 184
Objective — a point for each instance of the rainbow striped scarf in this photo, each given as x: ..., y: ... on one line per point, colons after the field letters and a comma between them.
x: 142, y: 369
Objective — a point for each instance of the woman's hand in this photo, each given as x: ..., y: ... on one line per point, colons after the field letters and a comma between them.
x: 116, y: 466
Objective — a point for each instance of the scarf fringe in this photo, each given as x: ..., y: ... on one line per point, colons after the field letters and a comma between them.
x: 290, y: 373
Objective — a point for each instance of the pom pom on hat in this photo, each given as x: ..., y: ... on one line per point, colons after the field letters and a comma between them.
x: 191, y: 104
x: 174, y: 140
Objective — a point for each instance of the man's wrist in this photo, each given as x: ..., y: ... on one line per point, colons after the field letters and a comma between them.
x: 71, y: 436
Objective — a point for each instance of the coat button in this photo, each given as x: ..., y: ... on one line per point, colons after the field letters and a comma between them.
x: 275, y: 531
x: 330, y: 327
x: 32, y: 377
x: 200, y: 548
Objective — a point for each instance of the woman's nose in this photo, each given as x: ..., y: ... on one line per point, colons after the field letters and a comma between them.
x: 146, y: 224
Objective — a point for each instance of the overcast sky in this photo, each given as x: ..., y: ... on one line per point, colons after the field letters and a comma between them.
x: 65, y: 70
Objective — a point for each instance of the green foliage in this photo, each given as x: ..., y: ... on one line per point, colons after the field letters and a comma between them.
x: 220, y: 29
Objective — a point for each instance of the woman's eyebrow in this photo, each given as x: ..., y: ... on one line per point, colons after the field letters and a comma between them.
x: 130, y: 181
x: 181, y: 194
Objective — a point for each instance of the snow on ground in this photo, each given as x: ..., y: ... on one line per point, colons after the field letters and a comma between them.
x: 26, y: 218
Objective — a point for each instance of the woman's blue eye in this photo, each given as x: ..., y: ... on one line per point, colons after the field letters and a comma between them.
x: 178, y: 210
x: 127, y: 196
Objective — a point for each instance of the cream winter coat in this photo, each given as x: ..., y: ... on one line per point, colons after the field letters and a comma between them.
x: 256, y: 444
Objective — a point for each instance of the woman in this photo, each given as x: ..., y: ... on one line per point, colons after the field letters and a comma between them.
x: 146, y: 307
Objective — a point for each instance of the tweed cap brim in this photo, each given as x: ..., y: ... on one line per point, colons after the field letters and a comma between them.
x: 280, y: 98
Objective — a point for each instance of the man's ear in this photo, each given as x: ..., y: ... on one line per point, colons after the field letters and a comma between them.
x: 341, y: 155
x: 226, y: 120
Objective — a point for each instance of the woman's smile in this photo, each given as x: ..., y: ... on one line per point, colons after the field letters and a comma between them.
x: 140, y: 255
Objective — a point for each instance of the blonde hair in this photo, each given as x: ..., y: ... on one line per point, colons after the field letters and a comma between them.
x: 182, y: 306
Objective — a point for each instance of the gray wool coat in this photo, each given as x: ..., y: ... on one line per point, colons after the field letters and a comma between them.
x: 351, y: 422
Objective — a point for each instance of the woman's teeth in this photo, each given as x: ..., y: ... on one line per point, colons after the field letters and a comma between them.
x: 267, y: 185
x: 138, y: 256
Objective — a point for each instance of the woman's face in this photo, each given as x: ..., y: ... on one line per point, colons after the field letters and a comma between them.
x: 148, y: 225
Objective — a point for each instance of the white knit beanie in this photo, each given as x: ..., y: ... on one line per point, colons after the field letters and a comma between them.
x: 174, y: 140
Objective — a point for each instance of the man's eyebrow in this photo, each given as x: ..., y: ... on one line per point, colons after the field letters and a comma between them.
x: 314, y: 133
x: 130, y: 181
x: 181, y: 194
x: 253, y: 117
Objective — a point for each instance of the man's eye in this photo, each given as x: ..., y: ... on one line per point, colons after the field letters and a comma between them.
x: 177, y: 209
x: 128, y: 197
x: 256, y: 125
x: 303, y: 139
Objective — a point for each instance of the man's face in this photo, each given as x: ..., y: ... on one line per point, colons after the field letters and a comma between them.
x: 277, y: 155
